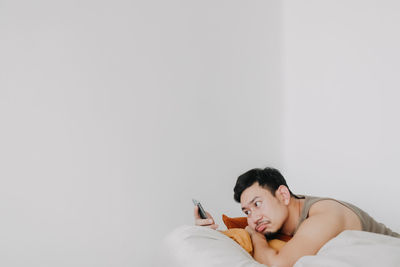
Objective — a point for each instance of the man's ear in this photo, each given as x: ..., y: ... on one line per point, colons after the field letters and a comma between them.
x: 283, y: 194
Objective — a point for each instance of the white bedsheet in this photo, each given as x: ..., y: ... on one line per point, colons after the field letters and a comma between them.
x: 356, y: 249
x: 194, y: 246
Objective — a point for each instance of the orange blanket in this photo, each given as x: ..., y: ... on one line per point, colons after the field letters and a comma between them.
x: 237, y: 232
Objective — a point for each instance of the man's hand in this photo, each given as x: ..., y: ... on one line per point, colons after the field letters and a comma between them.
x: 209, y: 222
x: 250, y: 230
x: 256, y: 236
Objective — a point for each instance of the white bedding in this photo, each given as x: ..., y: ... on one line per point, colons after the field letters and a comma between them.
x: 356, y: 248
x: 194, y: 246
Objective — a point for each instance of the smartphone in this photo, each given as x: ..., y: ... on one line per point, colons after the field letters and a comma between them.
x: 202, y: 212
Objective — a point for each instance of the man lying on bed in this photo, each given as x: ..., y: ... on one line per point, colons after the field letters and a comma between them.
x: 272, y: 208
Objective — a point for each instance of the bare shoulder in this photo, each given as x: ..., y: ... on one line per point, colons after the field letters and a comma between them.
x: 325, y: 206
x: 327, y: 219
x: 342, y: 213
x: 320, y: 227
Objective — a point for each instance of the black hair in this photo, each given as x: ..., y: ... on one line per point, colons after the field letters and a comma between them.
x: 268, y: 178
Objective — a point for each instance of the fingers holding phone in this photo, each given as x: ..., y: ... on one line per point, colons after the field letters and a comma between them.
x: 203, y: 218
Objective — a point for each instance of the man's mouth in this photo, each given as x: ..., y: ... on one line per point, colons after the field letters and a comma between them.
x: 262, y: 226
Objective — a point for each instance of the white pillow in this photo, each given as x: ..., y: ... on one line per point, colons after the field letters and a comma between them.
x: 196, y: 246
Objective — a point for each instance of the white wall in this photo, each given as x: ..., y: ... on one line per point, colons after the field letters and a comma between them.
x: 341, y: 78
x: 115, y: 114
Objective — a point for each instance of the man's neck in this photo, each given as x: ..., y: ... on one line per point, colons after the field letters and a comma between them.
x: 295, y: 207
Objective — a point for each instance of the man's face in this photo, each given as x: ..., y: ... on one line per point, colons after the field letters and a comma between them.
x: 265, y: 212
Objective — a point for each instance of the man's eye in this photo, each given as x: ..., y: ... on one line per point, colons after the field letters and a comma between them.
x: 247, y: 212
x: 257, y: 203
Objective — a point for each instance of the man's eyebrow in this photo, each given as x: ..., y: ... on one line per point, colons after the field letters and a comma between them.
x: 244, y: 207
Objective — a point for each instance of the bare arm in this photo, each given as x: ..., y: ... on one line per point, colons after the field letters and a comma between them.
x: 262, y: 252
x: 313, y: 233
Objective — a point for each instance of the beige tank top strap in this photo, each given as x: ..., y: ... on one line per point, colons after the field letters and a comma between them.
x: 367, y: 222
x: 308, y: 202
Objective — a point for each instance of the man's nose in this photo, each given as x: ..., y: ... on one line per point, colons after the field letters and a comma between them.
x: 255, y: 216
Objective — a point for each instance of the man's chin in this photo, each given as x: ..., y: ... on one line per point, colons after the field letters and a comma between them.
x: 271, y: 235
